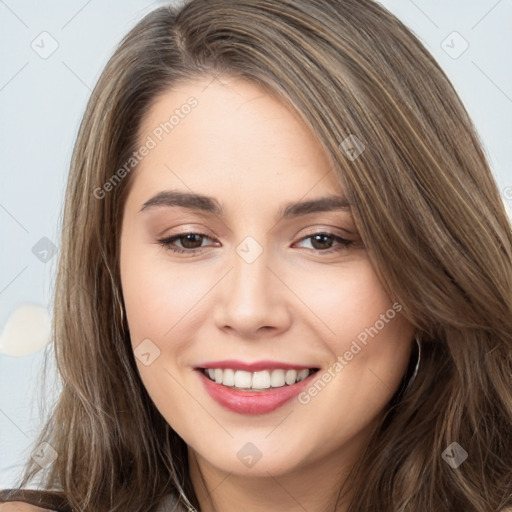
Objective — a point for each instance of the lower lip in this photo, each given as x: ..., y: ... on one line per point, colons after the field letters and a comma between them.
x: 253, y: 402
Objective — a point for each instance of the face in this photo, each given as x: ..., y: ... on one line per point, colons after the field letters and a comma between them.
x: 239, y: 254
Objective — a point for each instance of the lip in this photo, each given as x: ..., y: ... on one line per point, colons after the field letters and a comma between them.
x: 253, y: 402
x: 255, y: 366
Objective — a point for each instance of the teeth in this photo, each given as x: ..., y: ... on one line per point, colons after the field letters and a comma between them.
x: 242, y: 379
x: 302, y: 374
x: 277, y: 379
x: 228, y: 378
x: 261, y: 380
x: 290, y: 377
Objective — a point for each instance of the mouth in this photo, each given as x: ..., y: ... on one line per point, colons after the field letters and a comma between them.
x: 259, y: 381
x: 254, y: 392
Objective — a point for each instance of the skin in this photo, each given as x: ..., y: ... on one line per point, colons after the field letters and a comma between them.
x: 294, y: 303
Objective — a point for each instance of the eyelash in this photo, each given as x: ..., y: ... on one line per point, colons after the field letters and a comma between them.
x: 167, y: 243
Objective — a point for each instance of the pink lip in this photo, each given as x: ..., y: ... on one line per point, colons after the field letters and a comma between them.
x: 254, y: 366
x: 253, y: 402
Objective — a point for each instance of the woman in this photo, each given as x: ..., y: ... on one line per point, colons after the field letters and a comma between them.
x: 286, y: 276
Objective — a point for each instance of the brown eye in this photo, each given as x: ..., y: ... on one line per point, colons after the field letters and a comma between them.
x: 191, y: 241
x: 322, y: 241
x: 185, y: 242
x: 326, y: 242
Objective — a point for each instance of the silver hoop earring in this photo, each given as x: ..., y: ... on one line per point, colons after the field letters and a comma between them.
x: 413, y: 377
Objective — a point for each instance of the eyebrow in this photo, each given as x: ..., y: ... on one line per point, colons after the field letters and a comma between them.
x: 207, y: 204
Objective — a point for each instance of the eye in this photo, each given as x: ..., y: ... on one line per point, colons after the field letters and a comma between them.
x: 190, y: 242
x: 323, y: 242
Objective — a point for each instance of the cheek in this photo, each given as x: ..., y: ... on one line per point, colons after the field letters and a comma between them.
x: 160, y: 298
x: 364, y: 332
x: 348, y: 303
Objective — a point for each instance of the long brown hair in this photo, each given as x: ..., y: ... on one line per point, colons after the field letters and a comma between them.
x: 428, y: 211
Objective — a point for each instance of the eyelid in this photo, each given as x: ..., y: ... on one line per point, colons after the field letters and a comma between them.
x: 331, y: 230
x: 167, y: 242
x: 341, y: 241
x: 337, y: 232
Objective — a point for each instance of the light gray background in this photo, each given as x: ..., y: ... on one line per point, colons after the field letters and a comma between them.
x: 42, y: 101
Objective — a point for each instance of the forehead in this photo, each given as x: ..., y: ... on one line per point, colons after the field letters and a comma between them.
x: 214, y: 135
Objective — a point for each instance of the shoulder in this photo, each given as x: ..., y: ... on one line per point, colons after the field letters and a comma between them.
x: 19, y: 506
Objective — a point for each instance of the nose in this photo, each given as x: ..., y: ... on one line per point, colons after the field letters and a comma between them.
x: 251, y: 300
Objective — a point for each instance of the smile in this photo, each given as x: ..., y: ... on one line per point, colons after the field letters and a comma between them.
x: 255, y: 389
x: 256, y: 381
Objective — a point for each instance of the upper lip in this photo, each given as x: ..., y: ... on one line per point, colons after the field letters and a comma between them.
x: 254, y: 366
